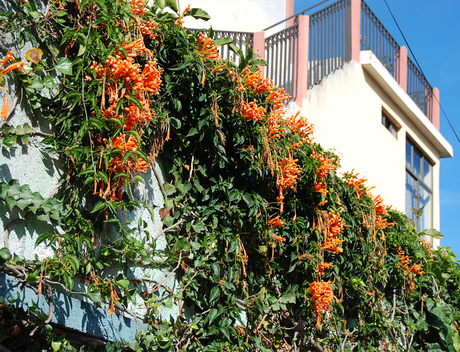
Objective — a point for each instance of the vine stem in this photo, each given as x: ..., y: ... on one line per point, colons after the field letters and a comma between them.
x: 181, y: 221
x: 157, y: 176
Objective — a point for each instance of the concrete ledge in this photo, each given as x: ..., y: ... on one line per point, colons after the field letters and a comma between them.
x: 380, y: 74
x: 72, y: 313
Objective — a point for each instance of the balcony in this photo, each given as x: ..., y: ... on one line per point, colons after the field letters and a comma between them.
x: 315, y: 44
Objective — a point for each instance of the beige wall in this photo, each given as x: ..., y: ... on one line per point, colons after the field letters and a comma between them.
x: 346, y: 109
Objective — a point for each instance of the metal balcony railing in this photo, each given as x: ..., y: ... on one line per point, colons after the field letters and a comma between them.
x: 281, y: 54
x: 328, y: 42
x: 375, y: 37
x: 419, y: 89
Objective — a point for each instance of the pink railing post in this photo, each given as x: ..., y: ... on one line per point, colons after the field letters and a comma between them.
x: 435, y: 109
x: 289, y: 12
x: 301, y: 77
x: 355, y: 31
x: 259, y: 46
x: 402, y: 67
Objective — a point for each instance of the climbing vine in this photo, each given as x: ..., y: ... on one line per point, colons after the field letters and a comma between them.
x: 272, y: 248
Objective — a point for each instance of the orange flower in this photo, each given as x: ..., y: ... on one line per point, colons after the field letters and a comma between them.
x: 14, y: 66
x: 320, y: 187
x: 301, y: 126
x: 326, y: 164
x: 5, y: 108
x: 275, y: 222
x: 205, y: 48
x: 250, y: 111
x: 321, y: 298
x: 179, y: 21
x: 137, y: 7
x: 9, y: 56
x: 322, y: 267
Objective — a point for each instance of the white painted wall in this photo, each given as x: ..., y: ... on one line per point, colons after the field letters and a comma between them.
x: 237, y: 15
x: 346, y: 109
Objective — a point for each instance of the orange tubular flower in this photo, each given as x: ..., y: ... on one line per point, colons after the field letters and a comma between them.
x: 250, y: 111
x: 322, y: 267
x: 321, y: 298
x: 320, y: 187
x: 275, y: 222
x: 137, y: 7
x: 14, y: 66
x: 9, y: 56
x: 179, y: 21
x: 5, y: 108
x: 301, y: 126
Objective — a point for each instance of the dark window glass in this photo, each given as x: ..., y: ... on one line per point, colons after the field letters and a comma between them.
x: 418, y: 187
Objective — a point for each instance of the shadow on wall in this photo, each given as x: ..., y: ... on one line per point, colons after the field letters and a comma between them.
x: 71, y: 312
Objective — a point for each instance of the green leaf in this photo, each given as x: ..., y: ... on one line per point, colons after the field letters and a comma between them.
x: 161, y: 3
x: 212, y: 315
x: 215, y: 294
x: 198, y: 226
x: 172, y: 4
x: 99, y: 206
x: 432, y: 233
x: 223, y: 41
x: 95, y: 296
x: 64, y: 66
x: 32, y: 278
x: 74, y: 263
x: 5, y: 255
x: 199, y: 14
x: 36, y: 83
x: 139, y: 179
x: 123, y: 283
x: 456, y: 339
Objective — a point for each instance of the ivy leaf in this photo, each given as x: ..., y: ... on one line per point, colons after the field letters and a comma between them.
x: 64, y: 66
x: 34, y: 55
x: 95, y: 296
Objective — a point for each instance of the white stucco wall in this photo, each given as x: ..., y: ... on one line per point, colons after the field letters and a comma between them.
x: 346, y: 109
x: 237, y: 15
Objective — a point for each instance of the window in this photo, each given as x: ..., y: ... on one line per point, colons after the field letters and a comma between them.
x: 418, y: 187
x: 389, y: 124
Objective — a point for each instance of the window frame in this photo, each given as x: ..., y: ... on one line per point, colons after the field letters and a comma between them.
x: 389, y: 124
x: 419, y: 183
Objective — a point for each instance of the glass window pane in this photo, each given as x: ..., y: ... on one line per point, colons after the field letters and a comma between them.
x: 424, y: 222
x: 408, y: 155
x: 426, y: 173
x: 416, y: 165
x: 410, y: 196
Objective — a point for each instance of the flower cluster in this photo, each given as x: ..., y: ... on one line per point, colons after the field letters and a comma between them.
x: 3, y: 71
x: 409, y: 271
x: 321, y: 298
x: 128, y: 89
x: 205, y: 48
x: 250, y: 111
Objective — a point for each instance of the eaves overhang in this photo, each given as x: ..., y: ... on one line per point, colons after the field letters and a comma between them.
x: 372, y: 65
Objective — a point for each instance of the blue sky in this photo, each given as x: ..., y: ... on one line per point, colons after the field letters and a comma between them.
x: 432, y: 29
